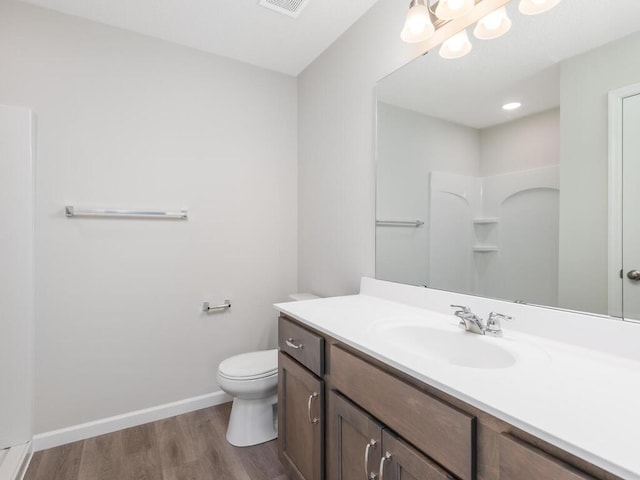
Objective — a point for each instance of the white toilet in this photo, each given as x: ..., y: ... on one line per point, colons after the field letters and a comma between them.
x: 252, y: 379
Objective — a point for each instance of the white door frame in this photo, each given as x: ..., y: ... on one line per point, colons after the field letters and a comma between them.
x: 616, y: 98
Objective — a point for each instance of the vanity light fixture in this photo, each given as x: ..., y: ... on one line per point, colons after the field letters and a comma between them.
x: 423, y: 21
x: 511, y: 106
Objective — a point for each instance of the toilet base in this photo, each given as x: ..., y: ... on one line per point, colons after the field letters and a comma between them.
x: 252, y: 421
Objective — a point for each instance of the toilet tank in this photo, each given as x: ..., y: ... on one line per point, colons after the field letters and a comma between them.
x: 296, y: 297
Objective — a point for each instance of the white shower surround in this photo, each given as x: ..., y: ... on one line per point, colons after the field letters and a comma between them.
x: 496, y: 236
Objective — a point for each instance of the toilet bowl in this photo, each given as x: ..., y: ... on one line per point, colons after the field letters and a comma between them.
x: 252, y: 379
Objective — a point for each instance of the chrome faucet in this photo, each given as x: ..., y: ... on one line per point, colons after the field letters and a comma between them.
x: 474, y: 324
x: 469, y: 320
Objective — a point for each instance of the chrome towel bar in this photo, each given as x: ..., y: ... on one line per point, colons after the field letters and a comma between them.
x: 71, y: 211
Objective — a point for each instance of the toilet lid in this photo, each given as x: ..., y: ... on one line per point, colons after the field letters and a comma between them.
x: 250, y: 365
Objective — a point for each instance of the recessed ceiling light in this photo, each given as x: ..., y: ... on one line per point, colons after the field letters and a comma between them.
x: 511, y: 106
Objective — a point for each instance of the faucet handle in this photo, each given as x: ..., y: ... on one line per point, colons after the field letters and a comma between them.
x: 493, y: 323
x: 499, y: 316
x: 462, y: 308
x: 461, y: 312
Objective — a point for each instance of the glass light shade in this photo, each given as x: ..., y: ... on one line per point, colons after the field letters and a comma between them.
x: 493, y: 25
x: 450, y: 9
x: 418, y: 26
x: 533, y: 7
x: 456, y: 46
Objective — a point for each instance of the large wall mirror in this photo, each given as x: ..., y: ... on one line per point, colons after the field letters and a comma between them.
x: 519, y: 204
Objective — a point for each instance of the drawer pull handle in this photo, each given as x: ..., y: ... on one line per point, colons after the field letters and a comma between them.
x: 386, y: 456
x: 311, y: 397
x: 291, y: 343
x: 370, y: 445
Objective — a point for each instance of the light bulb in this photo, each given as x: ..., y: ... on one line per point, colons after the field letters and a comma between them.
x: 417, y: 26
x: 493, y: 25
x: 533, y: 7
x: 450, y: 9
x: 456, y: 46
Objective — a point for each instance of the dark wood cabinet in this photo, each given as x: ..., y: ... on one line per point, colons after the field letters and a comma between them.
x: 382, y: 424
x: 300, y: 420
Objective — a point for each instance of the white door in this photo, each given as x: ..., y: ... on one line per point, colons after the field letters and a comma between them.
x: 631, y: 207
x: 16, y: 276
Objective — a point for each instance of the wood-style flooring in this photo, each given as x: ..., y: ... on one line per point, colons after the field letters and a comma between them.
x: 187, y: 447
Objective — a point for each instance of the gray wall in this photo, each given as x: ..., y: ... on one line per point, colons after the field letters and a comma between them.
x: 585, y: 83
x: 127, y: 121
x: 529, y: 142
x: 336, y: 177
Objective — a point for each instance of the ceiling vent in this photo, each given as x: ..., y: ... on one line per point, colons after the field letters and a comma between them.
x: 291, y: 8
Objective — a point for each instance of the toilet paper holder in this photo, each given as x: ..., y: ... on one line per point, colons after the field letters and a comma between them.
x: 207, y: 308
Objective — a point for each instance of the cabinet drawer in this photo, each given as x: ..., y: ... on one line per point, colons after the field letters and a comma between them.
x: 298, y: 342
x: 444, y: 433
x: 520, y: 461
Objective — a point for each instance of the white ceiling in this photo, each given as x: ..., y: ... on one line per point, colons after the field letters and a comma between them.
x: 239, y: 29
x: 523, y: 65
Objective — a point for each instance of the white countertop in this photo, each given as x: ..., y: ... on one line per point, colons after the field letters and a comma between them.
x: 582, y: 401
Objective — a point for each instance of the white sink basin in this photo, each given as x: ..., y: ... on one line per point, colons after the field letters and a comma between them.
x: 449, y: 344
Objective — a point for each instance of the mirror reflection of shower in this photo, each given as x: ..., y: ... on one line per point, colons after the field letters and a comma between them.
x: 486, y: 195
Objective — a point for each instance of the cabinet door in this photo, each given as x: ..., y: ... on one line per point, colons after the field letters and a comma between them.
x: 300, y: 420
x: 354, y: 441
x: 402, y: 462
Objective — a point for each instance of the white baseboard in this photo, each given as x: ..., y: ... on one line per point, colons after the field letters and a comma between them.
x: 54, y: 438
x: 15, y: 462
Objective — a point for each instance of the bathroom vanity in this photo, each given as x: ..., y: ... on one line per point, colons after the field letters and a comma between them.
x: 385, y: 385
